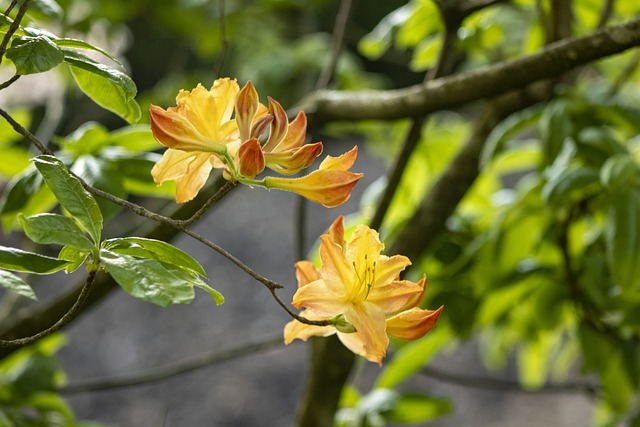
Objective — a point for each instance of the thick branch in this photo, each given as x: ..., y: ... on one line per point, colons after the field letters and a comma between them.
x: 486, y: 82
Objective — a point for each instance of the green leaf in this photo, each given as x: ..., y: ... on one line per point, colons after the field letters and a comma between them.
x: 417, y: 408
x: 101, y: 174
x: 155, y: 249
x: 81, y: 44
x: 572, y: 181
x: 506, y: 130
x: 19, y: 260
x: 147, y: 279
x: 48, y: 8
x: 55, y: 229
x: 110, y: 88
x: 623, y: 238
x: 411, y: 358
x: 195, y: 280
x: 71, y: 195
x: 14, y: 283
x: 32, y: 55
x: 618, y: 171
x: 75, y: 257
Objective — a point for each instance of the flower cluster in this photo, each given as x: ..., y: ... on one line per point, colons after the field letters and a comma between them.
x: 202, y: 132
x: 360, y: 292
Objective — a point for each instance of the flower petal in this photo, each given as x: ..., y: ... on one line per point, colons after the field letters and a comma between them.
x: 172, y: 165
x: 251, y: 159
x: 296, y: 132
x: 342, y: 162
x: 336, y: 232
x: 188, y: 185
x: 330, y: 188
x: 317, y: 297
x: 246, y: 107
x: 370, y: 339
x: 389, y: 268
x: 293, y: 160
x: 278, y: 125
x: 336, y: 270
x: 392, y: 297
x: 306, y: 273
x: 303, y: 331
x: 174, y: 131
x: 412, y: 324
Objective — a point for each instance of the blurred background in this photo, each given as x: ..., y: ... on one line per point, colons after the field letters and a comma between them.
x: 511, y: 350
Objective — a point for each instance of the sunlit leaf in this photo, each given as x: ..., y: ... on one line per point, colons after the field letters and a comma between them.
x: 623, y: 238
x: 75, y: 257
x: 155, y: 249
x: 81, y: 44
x: 32, y: 55
x: 49, y: 228
x: 30, y: 262
x: 147, y: 279
x: 112, y: 89
x: 71, y: 195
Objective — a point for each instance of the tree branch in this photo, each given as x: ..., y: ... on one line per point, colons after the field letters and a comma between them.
x: 486, y: 82
x: 64, y: 320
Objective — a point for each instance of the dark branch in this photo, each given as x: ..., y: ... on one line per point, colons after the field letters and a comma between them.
x: 486, y: 82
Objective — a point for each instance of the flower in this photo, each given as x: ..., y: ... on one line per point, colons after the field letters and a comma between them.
x: 330, y: 185
x: 201, y: 134
x: 358, y: 286
x: 197, y: 131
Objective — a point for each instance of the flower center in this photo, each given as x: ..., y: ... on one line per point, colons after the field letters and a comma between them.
x: 366, y: 277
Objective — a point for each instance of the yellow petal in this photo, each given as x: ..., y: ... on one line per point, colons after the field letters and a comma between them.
x: 306, y: 273
x: 172, y: 165
x: 278, y: 125
x: 336, y: 271
x: 370, y: 339
x: 342, y: 162
x: 188, y: 185
x: 336, y: 232
x: 174, y: 131
x: 225, y: 92
x: 412, y: 324
x: 389, y: 268
x: 246, y: 107
x: 317, y: 297
x: 392, y: 297
x: 330, y: 188
x: 303, y: 331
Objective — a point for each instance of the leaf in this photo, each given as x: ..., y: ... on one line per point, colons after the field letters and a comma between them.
x: 195, y: 280
x: 75, y: 257
x: 81, y: 44
x: 411, y: 358
x: 48, y: 8
x: 55, y: 229
x: 156, y: 249
x: 19, y: 260
x: 623, y: 238
x: 14, y: 283
x: 32, y: 55
x: 101, y: 174
x: 418, y: 408
x: 562, y: 188
x: 147, y: 279
x: 110, y: 88
x: 618, y: 171
x: 507, y: 129
x: 71, y: 195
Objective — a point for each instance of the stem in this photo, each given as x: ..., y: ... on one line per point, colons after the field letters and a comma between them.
x: 13, y: 27
x: 65, y: 319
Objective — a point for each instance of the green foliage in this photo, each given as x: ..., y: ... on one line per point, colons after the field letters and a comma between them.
x: 29, y: 380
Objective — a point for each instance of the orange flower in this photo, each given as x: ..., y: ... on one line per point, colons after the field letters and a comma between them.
x: 330, y: 185
x: 200, y: 135
x: 358, y: 286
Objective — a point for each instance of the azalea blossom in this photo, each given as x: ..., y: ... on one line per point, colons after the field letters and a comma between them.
x: 202, y: 133
x: 359, y: 291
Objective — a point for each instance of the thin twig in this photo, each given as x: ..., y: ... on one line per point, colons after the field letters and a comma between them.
x: 605, y: 14
x: 505, y: 385
x: 69, y: 316
x: 338, y: 37
x: 24, y: 132
x: 223, y: 38
x: 9, y: 82
x: 13, y: 27
x: 10, y: 8
x: 180, y: 367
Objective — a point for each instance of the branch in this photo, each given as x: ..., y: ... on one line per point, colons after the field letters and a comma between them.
x: 505, y: 385
x: 486, y: 82
x: 180, y: 367
x: 13, y: 27
x: 64, y: 320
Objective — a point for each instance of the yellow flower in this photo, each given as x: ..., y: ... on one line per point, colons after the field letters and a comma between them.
x: 201, y: 134
x: 197, y: 131
x: 358, y: 286
x: 330, y: 185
